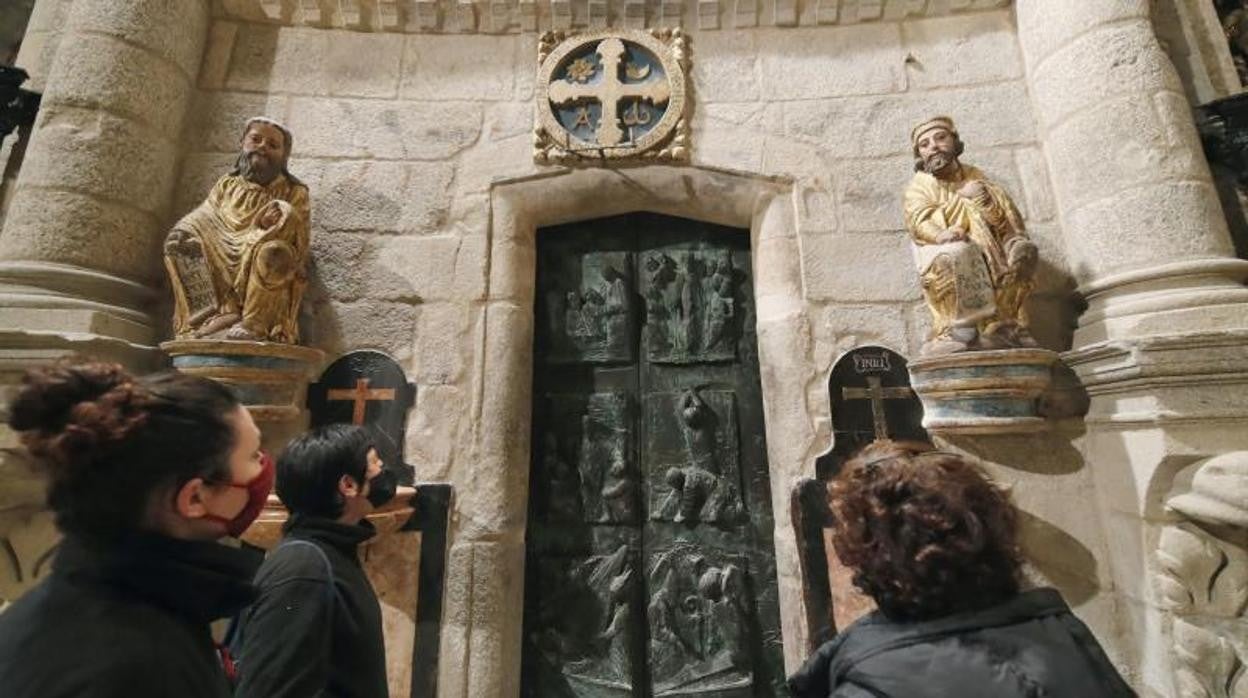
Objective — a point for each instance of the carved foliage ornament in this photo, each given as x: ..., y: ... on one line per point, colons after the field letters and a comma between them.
x: 612, y: 95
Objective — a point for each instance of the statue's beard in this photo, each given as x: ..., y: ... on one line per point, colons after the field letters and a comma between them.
x: 257, y: 168
x: 937, y: 162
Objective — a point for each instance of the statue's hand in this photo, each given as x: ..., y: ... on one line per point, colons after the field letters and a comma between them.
x: 269, y: 217
x: 1023, y: 260
x: 952, y: 234
x: 974, y: 189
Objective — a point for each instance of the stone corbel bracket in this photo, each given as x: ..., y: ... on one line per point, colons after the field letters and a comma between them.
x: 1201, y: 578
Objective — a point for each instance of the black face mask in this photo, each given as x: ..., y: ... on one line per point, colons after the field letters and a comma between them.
x: 382, y: 488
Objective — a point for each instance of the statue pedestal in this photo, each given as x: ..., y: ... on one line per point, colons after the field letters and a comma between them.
x: 271, y: 379
x: 983, y: 392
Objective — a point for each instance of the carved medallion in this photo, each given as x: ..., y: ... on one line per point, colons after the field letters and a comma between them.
x: 610, y: 95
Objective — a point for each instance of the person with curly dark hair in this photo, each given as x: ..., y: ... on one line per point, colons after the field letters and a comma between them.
x: 934, y: 543
x: 144, y: 475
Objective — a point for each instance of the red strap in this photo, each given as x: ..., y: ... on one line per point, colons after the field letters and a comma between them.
x: 227, y: 663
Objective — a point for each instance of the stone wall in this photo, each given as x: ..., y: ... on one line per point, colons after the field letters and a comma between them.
x: 400, y: 138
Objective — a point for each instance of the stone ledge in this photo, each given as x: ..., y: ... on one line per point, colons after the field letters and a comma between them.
x: 530, y: 16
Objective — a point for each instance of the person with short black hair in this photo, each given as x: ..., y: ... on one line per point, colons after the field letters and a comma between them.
x: 144, y: 475
x: 316, y: 629
x: 934, y: 543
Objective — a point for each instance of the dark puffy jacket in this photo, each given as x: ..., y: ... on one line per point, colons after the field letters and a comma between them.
x: 129, y: 620
x: 1029, y: 647
x: 308, y: 636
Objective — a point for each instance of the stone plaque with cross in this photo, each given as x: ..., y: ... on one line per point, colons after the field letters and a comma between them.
x: 367, y: 388
x: 871, y: 399
x: 611, y: 94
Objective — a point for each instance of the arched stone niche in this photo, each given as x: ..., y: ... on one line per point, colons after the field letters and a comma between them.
x: 480, y: 654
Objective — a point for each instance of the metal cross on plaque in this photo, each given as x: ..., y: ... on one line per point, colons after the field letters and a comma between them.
x: 877, y: 394
x: 370, y: 389
x: 360, y: 396
x: 871, y: 399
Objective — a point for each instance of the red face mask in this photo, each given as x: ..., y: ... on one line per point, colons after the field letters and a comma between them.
x: 258, y: 489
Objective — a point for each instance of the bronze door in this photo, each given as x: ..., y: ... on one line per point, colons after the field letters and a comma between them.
x: 650, y: 567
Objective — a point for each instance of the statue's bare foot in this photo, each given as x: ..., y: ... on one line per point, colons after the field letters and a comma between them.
x: 942, y: 346
x: 240, y: 333
x: 216, y: 324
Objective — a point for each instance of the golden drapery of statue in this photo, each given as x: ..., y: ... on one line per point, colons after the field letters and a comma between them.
x: 237, y: 262
x: 975, y: 260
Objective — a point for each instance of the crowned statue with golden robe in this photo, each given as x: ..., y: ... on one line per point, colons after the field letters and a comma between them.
x: 237, y: 263
x: 975, y: 260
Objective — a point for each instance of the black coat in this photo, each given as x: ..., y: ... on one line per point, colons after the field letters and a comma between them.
x: 125, y: 620
x: 305, y: 638
x: 1028, y: 647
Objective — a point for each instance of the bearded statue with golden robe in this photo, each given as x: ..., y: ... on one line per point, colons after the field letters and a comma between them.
x: 237, y: 263
x: 975, y: 260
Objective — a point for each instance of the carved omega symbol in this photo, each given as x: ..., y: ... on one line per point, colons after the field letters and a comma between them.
x: 611, y: 94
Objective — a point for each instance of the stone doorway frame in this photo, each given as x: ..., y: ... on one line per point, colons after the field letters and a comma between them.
x: 484, y: 595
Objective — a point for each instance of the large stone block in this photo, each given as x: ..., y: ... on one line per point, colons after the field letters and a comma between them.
x: 837, y: 328
x: 507, y: 119
x: 880, y: 125
x: 445, y: 343
x: 1045, y: 25
x: 869, y: 192
x: 383, y: 130
x: 437, y: 431
x: 172, y: 29
x: 859, y: 267
x: 340, y: 265
x: 487, y: 163
x: 722, y: 144
x: 338, y: 327
x: 426, y: 197
x: 439, y: 68
x: 443, y: 267
x: 362, y: 64
x: 95, y: 152
x: 1107, y: 62
x: 726, y: 69
x: 280, y: 59
x: 788, y: 157
x: 362, y: 196
x: 103, y: 72
x: 797, y: 63
x: 961, y: 50
x: 52, y: 226
x: 216, y: 119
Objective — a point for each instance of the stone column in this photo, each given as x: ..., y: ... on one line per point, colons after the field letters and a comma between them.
x: 80, y: 247
x: 1163, y: 345
x: 1146, y: 236
x: 79, y: 252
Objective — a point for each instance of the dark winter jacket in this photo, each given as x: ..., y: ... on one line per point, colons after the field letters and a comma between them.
x: 1029, y: 647
x: 129, y: 620
x: 306, y: 638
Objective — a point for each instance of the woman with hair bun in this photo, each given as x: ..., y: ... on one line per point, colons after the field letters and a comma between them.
x: 144, y: 475
x: 934, y: 543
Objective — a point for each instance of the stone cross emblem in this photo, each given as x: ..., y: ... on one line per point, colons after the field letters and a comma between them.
x: 610, y: 91
x: 611, y: 94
